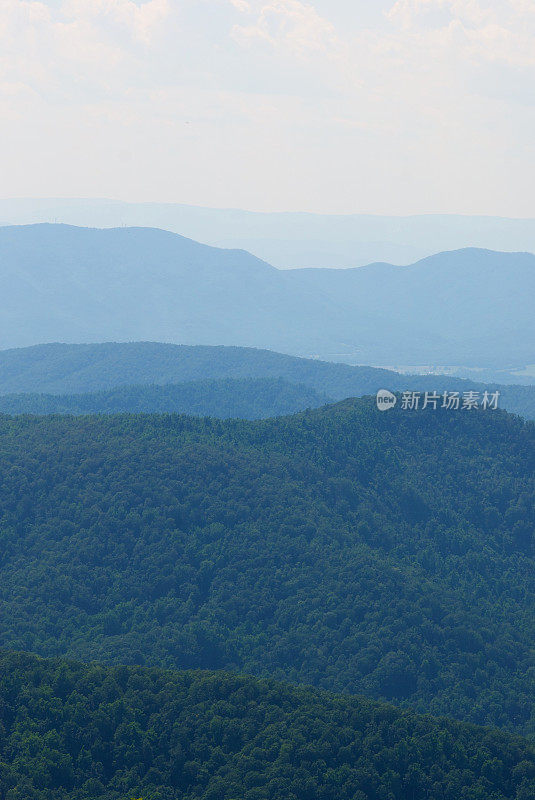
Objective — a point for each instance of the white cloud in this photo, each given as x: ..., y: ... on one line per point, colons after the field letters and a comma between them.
x: 78, y: 48
x: 291, y: 25
x: 495, y: 30
x: 141, y: 21
x: 241, y: 5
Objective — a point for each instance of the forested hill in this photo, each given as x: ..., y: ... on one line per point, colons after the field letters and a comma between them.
x: 72, y: 732
x: 245, y: 398
x: 78, y: 368
x: 69, y: 370
x: 384, y: 554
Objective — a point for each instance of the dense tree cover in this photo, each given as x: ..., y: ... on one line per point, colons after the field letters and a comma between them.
x: 88, y: 368
x: 383, y: 554
x: 72, y: 732
x: 245, y: 398
x: 518, y: 400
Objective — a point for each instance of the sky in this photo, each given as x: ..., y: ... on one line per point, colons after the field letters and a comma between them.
x: 332, y: 106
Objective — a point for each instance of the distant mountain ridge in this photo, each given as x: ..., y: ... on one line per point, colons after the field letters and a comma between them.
x: 61, y: 283
x: 214, y: 381
x: 289, y: 239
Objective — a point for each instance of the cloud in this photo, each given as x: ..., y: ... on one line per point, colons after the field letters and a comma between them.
x: 414, y: 12
x: 241, y: 5
x: 77, y: 47
x: 142, y: 22
x: 289, y: 25
x: 491, y: 31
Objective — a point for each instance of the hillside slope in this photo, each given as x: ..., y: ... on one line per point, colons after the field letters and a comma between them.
x: 78, y: 368
x: 468, y: 307
x: 243, y: 398
x: 194, y: 735
x: 385, y: 554
x: 62, y: 369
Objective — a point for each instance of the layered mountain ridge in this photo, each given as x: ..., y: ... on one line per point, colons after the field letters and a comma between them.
x: 215, y: 381
x: 61, y: 283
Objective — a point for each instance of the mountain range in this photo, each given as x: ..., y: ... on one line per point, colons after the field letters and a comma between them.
x: 224, y: 573
x: 289, y: 240
x: 61, y: 283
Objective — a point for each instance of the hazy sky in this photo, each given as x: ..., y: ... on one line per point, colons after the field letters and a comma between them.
x: 332, y: 105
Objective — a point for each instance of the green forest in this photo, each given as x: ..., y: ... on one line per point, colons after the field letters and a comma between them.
x: 245, y: 398
x: 73, y: 732
x: 388, y: 555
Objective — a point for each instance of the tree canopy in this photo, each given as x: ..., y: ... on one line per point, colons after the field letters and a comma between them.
x: 73, y: 732
x: 384, y: 554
